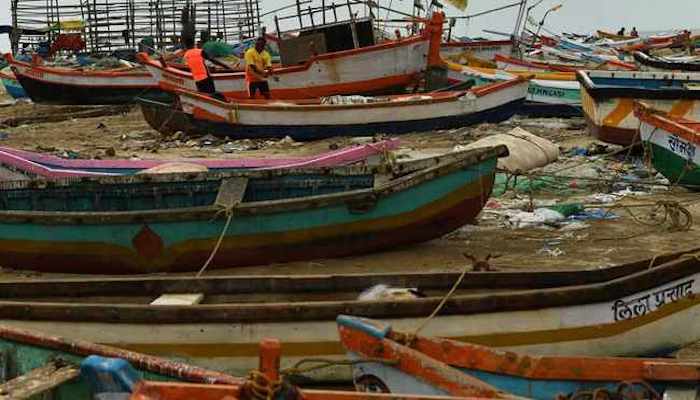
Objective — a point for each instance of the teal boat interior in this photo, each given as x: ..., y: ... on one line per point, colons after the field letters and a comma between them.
x: 144, y: 194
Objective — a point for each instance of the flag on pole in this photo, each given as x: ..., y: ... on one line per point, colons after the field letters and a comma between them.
x: 460, y: 4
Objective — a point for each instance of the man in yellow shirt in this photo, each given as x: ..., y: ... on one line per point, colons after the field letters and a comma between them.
x: 258, y: 67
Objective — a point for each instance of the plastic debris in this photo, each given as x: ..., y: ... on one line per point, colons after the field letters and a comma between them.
x: 384, y: 292
x: 540, y: 217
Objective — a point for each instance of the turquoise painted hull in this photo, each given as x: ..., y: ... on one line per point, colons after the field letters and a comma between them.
x: 315, y: 218
x: 14, y: 89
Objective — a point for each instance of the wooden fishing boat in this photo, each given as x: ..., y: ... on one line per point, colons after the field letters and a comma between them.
x: 265, y: 382
x: 671, y: 144
x: 171, y: 222
x: 55, y: 85
x: 35, y: 363
x: 348, y: 116
x: 11, y: 85
x: 482, y: 49
x: 217, y: 321
x: 33, y: 165
x: 608, y: 98
x: 549, y: 94
x: 651, y: 63
x: 533, y: 65
x: 431, y: 366
x: 379, y: 68
x: 613, y: 36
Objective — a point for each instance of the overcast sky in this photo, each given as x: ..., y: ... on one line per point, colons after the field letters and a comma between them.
x: 581, y: 16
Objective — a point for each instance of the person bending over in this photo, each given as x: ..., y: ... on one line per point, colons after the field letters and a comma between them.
x: 258, y: 67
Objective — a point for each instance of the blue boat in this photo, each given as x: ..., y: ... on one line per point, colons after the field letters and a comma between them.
x: 12, y: 86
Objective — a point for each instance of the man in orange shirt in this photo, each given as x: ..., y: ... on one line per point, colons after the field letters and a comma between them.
x: 258, y: 65
x: 195, y: 60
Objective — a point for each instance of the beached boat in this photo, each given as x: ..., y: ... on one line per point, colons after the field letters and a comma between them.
x: 30, y: 165
x: 35, y: 363
x: 651, y: 63
x: 549, y: 94
x: 671, y: 144
x: 56, y: 85
x: 217, y: 321
x: 172, y: 222
x: 266, y: 382
x: 11, y: 84
x: 352, y: 116
x: 431, y: 366
x: 608, y: 98
x: 613, y: 36
x: 482, y: 49
x: 388, y: 66
x: 511, y: 64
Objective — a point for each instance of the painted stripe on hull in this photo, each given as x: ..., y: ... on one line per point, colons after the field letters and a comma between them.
x: 314, y: 132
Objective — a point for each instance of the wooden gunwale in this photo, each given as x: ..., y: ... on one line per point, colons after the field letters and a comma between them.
x: 320, y: 283
x: 412, y: 179
x: 328, y: 310
x: 138, y: 360
x: 662, y: 120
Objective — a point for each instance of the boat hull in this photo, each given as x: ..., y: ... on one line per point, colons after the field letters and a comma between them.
x: 545, y: 97
x: 438, y: 366
x: 493, y: 103
x: 231, y: 345
x: 314, y: 132
x: 377, y: 69
x: 482, y: 49
x: 66, y: 94
x: 608, y: 100
x: 62, y: 86
x: 12, y: 86
x: 262, y: 232
x: 672, y: 148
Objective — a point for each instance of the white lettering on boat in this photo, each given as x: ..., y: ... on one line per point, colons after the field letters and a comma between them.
x: 681, y: 147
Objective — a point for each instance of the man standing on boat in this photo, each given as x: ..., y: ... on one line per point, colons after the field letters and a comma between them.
x: 195, y: 59
x: 258, y: 66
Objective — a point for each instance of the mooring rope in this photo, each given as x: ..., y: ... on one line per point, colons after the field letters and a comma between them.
x: 228, y: 211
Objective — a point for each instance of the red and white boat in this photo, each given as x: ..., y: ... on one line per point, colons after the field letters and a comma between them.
x: 372, y: 69
x: 315, y: 119
x: 60, y: 85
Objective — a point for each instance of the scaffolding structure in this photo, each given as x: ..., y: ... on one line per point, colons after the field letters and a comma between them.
x: 108, y: 25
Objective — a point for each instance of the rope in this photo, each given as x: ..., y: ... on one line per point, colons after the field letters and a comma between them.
x: 439, y: 307
x: 677, y: 216
x: 322, y: 363
x: 260, y: 387
x: 228, y: 211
